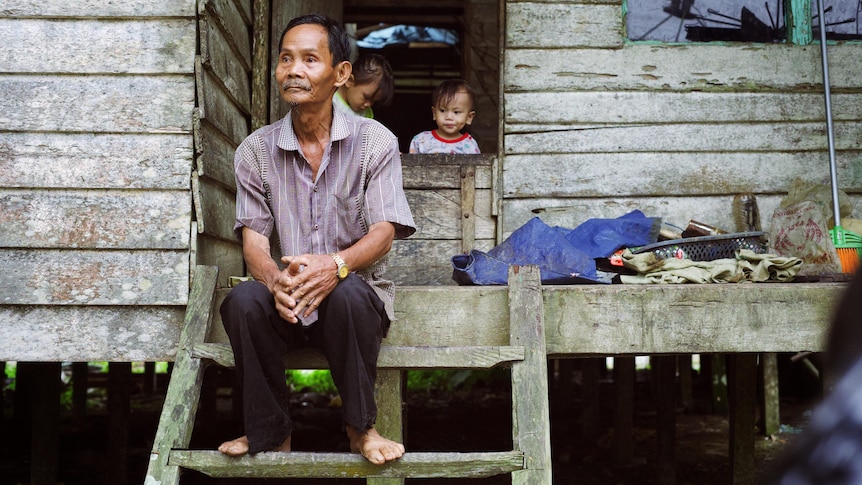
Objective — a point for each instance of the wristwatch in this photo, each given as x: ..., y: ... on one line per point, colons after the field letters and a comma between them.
x: 342, y: 269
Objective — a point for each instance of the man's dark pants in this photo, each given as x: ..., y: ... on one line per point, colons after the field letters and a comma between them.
x: 352, y: 322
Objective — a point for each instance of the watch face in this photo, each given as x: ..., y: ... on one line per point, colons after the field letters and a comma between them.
x: 342, y: 272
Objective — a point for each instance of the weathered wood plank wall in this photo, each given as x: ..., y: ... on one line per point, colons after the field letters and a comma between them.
x: 95, y: 161
x: 437, y: 190
x: 604, y: 126
x: 222, y: 121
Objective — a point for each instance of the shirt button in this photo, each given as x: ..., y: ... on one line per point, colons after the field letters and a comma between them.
x: 315, y: 227
x: 315, y: 188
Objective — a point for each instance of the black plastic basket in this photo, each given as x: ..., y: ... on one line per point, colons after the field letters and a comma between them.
x: 707, y: 248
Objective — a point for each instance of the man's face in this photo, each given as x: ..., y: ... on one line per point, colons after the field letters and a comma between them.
x: 304, y: 72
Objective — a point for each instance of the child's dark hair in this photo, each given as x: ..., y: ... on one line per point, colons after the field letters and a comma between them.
x: 370, y: 68
x: 446, y: 91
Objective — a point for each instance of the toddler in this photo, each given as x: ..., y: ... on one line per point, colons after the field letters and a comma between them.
x: 370, y: 82
x: 452, y: 110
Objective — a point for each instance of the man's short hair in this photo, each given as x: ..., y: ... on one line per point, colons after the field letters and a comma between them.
x: 339, y: 41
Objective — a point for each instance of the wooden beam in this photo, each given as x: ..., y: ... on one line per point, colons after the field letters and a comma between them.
x: 45, y: 405
x: 178, y: 412
x: 468, y: 203
x: 624, y: 390
x: 530, y: 411
x: 119, y: 411
x: 348, y: 465
x: 743, y: 383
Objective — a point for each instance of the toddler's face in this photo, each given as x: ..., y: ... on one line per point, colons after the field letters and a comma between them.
x: 452, y: 118
x: 361, y: 96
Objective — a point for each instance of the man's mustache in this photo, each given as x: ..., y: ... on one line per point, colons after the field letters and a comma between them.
x: 288, y: 85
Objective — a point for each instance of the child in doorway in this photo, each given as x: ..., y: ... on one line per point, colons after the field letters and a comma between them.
x: 371, y: 82
x: 452, y: 110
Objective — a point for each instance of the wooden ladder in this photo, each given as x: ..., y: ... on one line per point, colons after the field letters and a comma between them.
x: 529, y: 462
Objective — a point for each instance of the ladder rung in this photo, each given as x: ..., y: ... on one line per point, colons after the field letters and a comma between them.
x: 467, y: 357
x: 348, y: 465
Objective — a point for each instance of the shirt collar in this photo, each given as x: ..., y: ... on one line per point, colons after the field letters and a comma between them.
x: 338, y: 131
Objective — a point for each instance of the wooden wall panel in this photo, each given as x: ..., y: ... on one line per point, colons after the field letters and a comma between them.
x: 711, y: 67
x: 78, y: 333
x: 95, y: 159
x: 218, y: 109
x: 563, y: 25
x: 587, y: 107
x: 215, y: 156
x: 92, y: 219
x: 437, y: 214
x: 97, y: 103
x: 426, y: 261
x: 235, y: 27
x: 684, y: 137
x: 89, y: 160
x: 80, y: 277
x: 230, y: 69
x: 98, y: 8
x: 677, y: 210
x: 679, y: 174
x: 124, y: 46
x: 602, y: 125
x: 215, y: 207
x: 222, y: 121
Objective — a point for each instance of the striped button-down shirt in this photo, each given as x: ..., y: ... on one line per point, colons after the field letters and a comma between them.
x: 358, y: 184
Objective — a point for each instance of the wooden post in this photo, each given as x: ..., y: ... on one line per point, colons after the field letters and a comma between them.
x: 743, y: 382
x: 149, y: 378
x: 178, y: 412
x: 119, y: 402
x: 80, y: 384
x: 683, y: 365
x: 590, y: 376
x: 2, y: 393
x: 468, y: 203
x: 719, y: 383
x: 531, y: 429
x: 770, y: 406
x: 624, y: 390
x: 664, y: 371
x: 45, y: 447
x: 388, y: 395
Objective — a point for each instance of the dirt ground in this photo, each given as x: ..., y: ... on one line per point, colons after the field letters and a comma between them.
x: 475, y: 419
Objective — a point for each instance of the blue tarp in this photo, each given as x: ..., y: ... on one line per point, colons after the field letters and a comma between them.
x: 564, y: 256
x: 405, y: 34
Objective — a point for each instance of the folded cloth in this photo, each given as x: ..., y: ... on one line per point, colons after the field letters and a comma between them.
x: 747, y: 266
x: 536, y: 243
x: 600, y: 238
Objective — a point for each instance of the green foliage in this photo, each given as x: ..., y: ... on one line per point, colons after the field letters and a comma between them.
x: 449, y: 380
x: 319, y: 381
x: 11, y: 367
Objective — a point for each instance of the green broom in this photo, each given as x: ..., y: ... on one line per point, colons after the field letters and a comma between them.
x: 848, y: 244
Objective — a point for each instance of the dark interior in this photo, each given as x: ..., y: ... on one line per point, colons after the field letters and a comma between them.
x: 419, y: 66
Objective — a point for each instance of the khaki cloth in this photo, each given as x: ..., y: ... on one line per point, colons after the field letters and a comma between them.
x: 748, y: 266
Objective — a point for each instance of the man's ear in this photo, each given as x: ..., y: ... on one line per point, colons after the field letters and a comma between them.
x: 343, y: 72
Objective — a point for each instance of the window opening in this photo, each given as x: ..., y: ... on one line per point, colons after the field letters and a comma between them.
x: 735, y: 20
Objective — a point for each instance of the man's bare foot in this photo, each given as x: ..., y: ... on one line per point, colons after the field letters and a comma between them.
x: 239, y: 446
x: 375, y: 448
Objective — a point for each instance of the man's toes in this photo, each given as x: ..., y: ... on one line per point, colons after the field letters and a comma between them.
x: 375, y: 457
